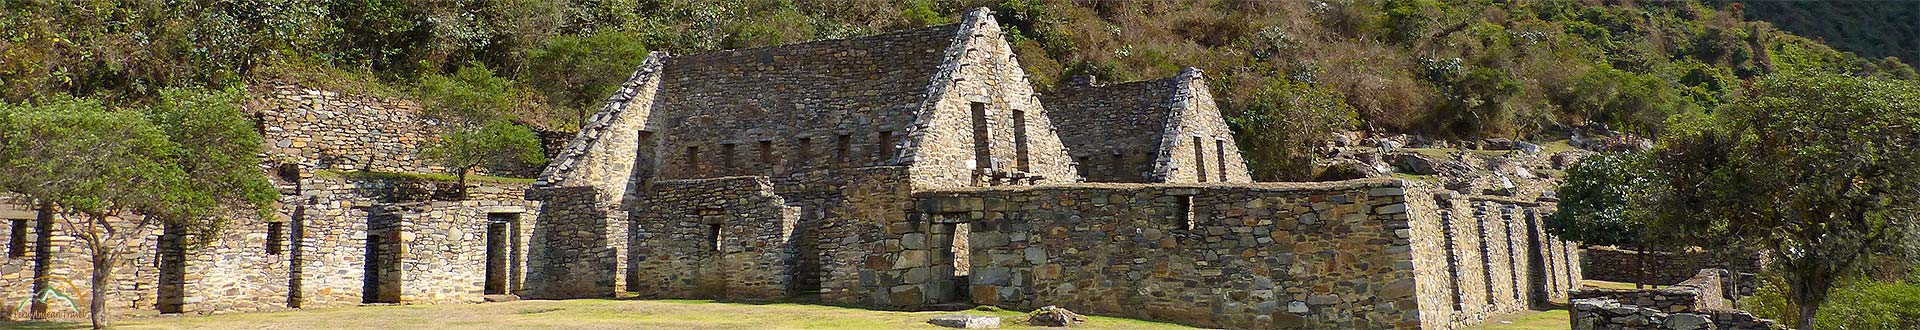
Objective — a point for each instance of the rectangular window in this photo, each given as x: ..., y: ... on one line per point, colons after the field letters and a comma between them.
x: 886, y: 147
x: 713, y: 237
x: 1220, y: 157
x: 805, y: 153
x: 841, y: 148
x: 1117, y: 166
x: 766, y: 154
x: 982, y: 146
x: 17, y: 246
x: 727, y: 163
x: 1199, y: 159
x: 1020, y: 140
x: 693, y: 160
x: 276, y: 236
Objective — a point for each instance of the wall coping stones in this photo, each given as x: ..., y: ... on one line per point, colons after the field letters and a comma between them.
x: 1369, y: 183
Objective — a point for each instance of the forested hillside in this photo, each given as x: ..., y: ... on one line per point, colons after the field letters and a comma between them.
x: 1875, y: 30
x: 1285, y: 71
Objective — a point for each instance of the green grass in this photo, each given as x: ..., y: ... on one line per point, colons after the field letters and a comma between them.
x: 1609, y: 285
x: 582, y: 314
x: 1531, y: 320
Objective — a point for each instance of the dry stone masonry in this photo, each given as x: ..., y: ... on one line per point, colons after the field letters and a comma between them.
x: 918, y: 169
x: 910, y: 170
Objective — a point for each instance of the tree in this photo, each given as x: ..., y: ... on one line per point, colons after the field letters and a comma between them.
x: 557, y: 67
x: 114, y: 175
x: 483, y: 133
x: 1601, y: 203
x: 497, y: 143
x: 1816, y: 169
x: 1279, y: 123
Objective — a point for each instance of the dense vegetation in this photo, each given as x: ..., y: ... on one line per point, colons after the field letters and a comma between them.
x: 1813, y: 170
x: 1882, y: 29
x: 1460, y: 69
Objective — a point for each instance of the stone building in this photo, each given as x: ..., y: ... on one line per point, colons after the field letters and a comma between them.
x: 917, y: 169
x: 1154, y: 131
x: 355, y: 223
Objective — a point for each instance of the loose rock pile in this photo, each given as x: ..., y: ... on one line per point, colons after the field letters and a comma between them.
x: 1052, y: 316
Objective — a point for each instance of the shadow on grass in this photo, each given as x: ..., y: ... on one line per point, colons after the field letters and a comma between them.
x: 42, y: 325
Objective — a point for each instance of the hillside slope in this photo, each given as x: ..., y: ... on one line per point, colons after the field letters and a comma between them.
x: 1287, y: 72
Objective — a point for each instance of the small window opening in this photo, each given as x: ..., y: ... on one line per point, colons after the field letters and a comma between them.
x: 982, y: 146
x: 1083, y: 165
x: 1020, y: 140
x: 727, y: 162
x: 886, y: 147
x: 805, y: 153
x: 841, y: 147
x: 17, y: 246
x: 1117, y: 166
x: 1199, y: 159
x: 766, y: 153
x: 288, y: 172
x: 1220, y: 157
x: 693, y: 160
x: 713, y: 237
x: 276, y: 236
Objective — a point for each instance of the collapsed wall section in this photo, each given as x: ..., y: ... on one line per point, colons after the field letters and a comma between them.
x: 720, y: 238
x: 1290, y: 256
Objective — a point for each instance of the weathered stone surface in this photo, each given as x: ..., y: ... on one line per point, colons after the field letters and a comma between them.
x: 965, y: 321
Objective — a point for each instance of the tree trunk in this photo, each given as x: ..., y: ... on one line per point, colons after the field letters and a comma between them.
x: 1640, y: 268
x: 42, y: 259
x: 462, y: 189
x: 102, y: 272
x: 1809, y: 291
x: 1807, y: 312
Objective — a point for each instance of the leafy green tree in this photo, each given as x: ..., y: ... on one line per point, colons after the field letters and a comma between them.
x: 1281, y: 121
x: 1601, y: 203
x: 482, y: 133
x: 472, y: 96
x: 497, y: 143
x: 557, y: 67
x: 1817, y: 170
x: 1632, y: 102
x: 114, y: 175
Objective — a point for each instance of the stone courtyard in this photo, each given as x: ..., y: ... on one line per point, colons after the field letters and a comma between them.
x: 911, y: 170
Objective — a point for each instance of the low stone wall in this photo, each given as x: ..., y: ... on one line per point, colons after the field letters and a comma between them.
x: 1486, y: 256
x: 1289, y: 256
x: 1705, y: 291
x: 1615, y: 264
x: 721, y: 238
x: 1699, y: 302
x: 1603, y: 313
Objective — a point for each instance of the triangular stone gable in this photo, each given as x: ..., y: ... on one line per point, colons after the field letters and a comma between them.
x: 980, y: 68
x: 1195, y: 122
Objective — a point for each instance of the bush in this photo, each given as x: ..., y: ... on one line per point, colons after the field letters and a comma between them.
x: 1854, y: 305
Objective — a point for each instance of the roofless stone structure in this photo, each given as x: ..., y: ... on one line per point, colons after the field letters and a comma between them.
x: 914, y: 169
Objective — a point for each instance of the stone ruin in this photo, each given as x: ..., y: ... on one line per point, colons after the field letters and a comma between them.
x: 910, y: 170
x: 1704, y: 301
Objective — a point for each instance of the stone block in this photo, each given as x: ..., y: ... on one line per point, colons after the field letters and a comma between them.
x: 964, y: 321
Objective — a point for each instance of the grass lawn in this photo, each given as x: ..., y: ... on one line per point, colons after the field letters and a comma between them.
x: 1531, y: 320
x: 579, y: 314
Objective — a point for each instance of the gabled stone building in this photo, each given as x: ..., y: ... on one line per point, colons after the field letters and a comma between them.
x: 1153, y: 131
x: 918, y: 168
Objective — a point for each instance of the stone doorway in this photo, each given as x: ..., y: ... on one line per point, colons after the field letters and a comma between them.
x: 950, y: 259
x: 806, y: 250
x: 173, y: 271
x: 501, y: 248
x: 381, y: 281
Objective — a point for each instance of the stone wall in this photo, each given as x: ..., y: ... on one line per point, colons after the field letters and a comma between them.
x: 1163, y: 130
x: 1607, y: 314
x: 979, y: 67
x: 68, y: 266
x: 1493, y: 258
x: 320, y: 129
x: 1616, y: 264
x: 721, y: 238
x: 1195, y: 150
x: 1285, y: 256
x: 439, y: 244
